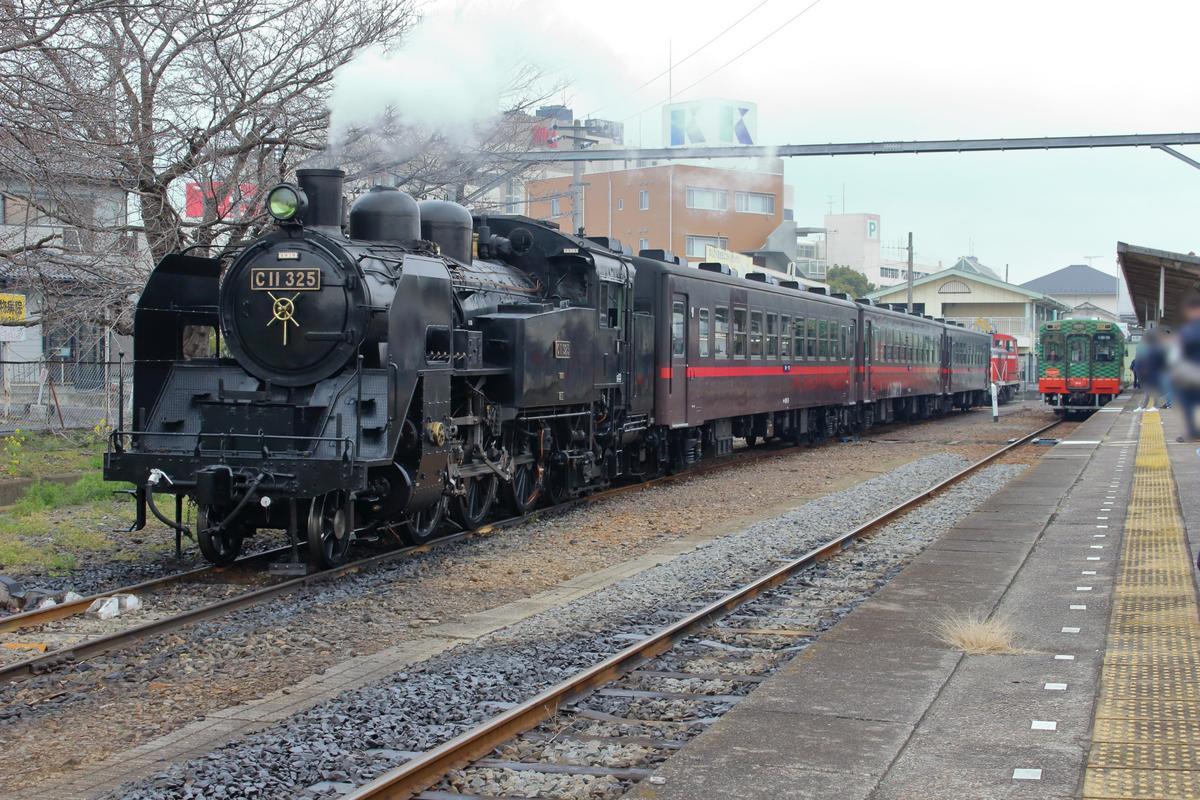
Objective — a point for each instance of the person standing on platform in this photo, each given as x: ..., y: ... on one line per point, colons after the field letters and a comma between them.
x: 1150, y: 360
x: 1185, y: 373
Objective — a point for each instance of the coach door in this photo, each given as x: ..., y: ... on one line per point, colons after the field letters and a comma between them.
x: 1079, y: 361
x: 864, y: 373
x: 677, y: 388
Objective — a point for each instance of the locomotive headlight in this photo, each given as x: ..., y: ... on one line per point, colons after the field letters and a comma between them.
x: 285, y: 202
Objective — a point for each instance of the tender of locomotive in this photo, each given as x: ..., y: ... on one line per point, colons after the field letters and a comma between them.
x: 1079, y: 364
x: 420, y: 362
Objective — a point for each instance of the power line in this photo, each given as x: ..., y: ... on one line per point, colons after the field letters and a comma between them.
x: 693, y: 84
x: 697, y: 51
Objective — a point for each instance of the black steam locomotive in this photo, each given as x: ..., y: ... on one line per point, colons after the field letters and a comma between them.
x: 423, y: 362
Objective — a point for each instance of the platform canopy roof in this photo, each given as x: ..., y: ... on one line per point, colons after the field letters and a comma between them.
x: 1144, y: 268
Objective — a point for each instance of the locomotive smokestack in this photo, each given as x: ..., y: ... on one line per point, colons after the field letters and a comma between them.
x: 323, y: 188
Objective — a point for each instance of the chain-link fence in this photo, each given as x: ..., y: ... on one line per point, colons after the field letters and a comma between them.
x: 62, y: 395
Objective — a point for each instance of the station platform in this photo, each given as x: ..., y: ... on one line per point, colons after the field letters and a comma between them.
x: 1088, y: 559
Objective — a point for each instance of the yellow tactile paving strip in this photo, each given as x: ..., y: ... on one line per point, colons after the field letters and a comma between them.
x: 1146, y: 738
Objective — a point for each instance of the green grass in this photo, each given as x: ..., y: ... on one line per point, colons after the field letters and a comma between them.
x: 52, y: 526
x: 40, y: 455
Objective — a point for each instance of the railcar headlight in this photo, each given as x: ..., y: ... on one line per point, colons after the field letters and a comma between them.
x: 286, y: 202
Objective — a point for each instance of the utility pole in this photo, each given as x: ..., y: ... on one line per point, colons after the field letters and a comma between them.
x: 578, y: 142
x: 910, y: 272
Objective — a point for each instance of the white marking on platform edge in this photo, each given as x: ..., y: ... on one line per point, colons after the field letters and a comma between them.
x: 1044, y: 725
x: 1099, y: 535
x: 1070, y: 630
x: 1093, y: 558
x: 1056, y: 687
x: 1026, y: 774
x: 1088, y: 572
x: 1095, y: 547
x: 1080, y: 441
x: 1077, y: 607
x: 1083, y: 588
x: 1064, y: 658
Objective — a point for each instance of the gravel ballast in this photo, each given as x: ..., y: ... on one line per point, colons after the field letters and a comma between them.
x: 365, y: 731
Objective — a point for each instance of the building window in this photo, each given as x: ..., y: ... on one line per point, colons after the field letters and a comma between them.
x: 755, y: 203
x: 644, y: 199
x: 620, y: 204
x: 702, y: 341
x: 643, y: 244
x: 889, y: 272
x: 721, y: 328
x: 954, y: 287
x: 696, y: 244
x: 706, y: 199
x: 555, y: 207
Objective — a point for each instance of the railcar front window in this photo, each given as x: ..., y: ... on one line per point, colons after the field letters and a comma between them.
x: 1077, y: 347
x: 702, y: 343
x: 756, y: 334
x: 1052, y: 348
x: 1106, y: 347
x: 721, y: 325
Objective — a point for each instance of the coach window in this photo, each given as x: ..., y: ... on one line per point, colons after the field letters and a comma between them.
x: 798, y: 339
x: 678, y: 320
x: 785, y: 337
x: 852, y: 341
x: 756, y: 334
x: 739, y: 333
x: 702, y: 343
x: 811, y: 348
x: 822, y: 338
x: 772, y: 335
x: 721, y: 326
x: 844, y: 350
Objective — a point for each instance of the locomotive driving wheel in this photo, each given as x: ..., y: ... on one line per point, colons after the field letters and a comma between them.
x: 219, y: 546
x: 328, y: 529
x: 525, y: 489
x: 421, y: 526
x: 472, y: 507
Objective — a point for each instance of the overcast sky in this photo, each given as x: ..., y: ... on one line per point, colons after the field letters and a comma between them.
x: 855, y: 70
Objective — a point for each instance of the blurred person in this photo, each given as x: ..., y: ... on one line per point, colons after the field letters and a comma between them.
x: 1137, y: 384
x: 1185, y: 372
x: 1150, y: 360
x: 1166, y: 343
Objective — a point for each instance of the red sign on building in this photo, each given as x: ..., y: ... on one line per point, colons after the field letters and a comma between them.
x: 234, y: 202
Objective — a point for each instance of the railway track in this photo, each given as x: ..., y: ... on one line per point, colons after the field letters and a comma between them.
x: 91, y: 646
x: 98, y: 645
x: 510, y: 742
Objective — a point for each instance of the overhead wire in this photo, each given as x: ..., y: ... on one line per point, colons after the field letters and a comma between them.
x: 697, y: 51
x: 744, y: 52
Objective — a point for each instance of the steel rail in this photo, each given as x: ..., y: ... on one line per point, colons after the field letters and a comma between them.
x: 89, y: 648
x: 413, y: 777
x: 28, y: 619
x: 92, y: 647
